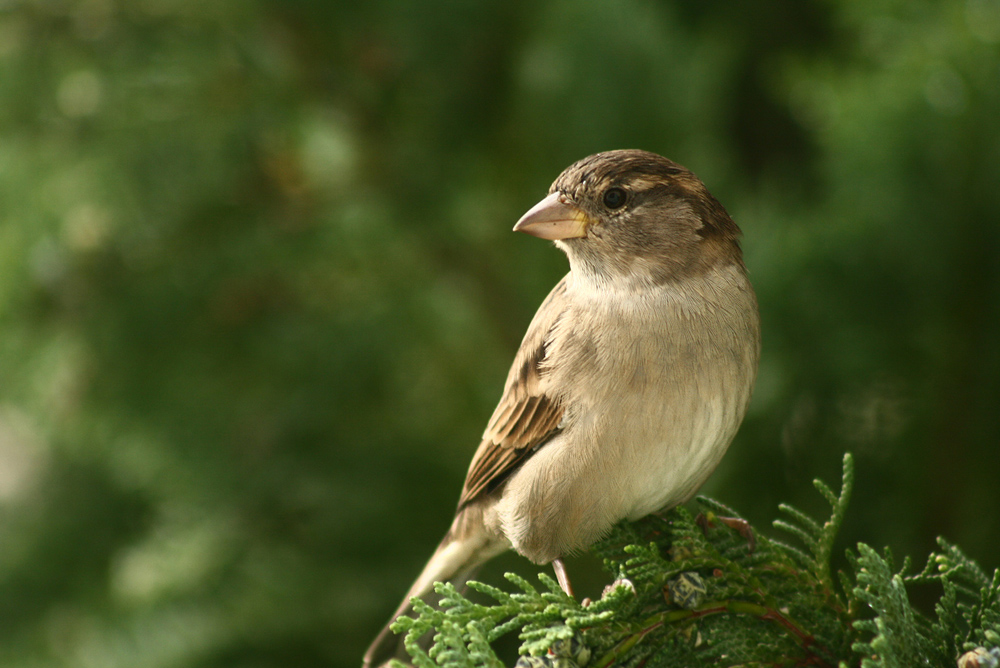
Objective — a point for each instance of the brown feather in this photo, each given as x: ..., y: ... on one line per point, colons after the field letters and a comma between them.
x: 526, y: 416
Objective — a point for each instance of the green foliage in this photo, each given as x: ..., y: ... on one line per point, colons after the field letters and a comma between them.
x: 776, y: 605
x: 966, y: 614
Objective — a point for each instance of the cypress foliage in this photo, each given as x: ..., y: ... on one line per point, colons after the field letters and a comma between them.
x: 688, y: 591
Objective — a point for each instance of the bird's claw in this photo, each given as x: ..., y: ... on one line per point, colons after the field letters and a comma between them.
x: 706, y: 522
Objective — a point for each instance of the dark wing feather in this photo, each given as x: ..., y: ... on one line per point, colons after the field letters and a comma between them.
x: 526, y: 417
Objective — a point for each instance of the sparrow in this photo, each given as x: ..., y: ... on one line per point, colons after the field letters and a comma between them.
x: 631, y: 380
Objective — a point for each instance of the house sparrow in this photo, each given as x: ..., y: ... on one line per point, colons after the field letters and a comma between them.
x: 630, y: 383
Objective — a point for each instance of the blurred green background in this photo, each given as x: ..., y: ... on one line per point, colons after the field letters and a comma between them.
x: 259, y: 293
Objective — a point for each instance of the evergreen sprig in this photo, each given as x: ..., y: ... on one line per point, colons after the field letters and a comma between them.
x: 688, y: 591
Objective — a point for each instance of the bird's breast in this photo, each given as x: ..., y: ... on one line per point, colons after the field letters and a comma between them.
x: 654, y: 387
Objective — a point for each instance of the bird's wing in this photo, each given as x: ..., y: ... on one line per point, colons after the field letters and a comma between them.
x: 527, y: 417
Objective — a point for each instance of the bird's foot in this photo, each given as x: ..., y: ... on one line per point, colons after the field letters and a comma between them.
x: 563, y: 577
x: 707, y: 522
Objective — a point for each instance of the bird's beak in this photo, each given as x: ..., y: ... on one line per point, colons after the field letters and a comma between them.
x: 555, y: 217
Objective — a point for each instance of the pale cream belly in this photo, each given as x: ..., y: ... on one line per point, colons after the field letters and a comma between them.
x: 618, y: 466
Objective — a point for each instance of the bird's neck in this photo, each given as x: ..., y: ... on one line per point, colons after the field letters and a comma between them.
x: 612, y: 274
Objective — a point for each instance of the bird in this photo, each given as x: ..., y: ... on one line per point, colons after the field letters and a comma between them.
x: 631, y: 380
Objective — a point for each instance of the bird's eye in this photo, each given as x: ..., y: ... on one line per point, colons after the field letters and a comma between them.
x: 614, y: 198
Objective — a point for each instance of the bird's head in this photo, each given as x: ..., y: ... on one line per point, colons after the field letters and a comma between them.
x: 634, y: 216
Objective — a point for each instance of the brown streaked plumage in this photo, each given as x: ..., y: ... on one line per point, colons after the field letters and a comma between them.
x: 630, y: 382
x: 525, y: 417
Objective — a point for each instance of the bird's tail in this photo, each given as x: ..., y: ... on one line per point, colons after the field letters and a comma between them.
x: 465, y: 547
